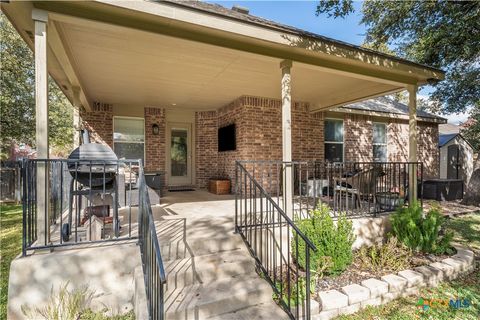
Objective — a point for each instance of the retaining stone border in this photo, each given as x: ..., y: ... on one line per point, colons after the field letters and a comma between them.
x: 375, y: 292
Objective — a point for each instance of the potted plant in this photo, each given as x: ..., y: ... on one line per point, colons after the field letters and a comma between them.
x: 390, y: 200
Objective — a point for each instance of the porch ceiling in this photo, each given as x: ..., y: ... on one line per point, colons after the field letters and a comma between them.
x: 123, y: 66
x: 112, y: 63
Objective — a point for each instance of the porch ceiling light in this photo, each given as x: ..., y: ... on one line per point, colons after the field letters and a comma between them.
x: 155, y: 129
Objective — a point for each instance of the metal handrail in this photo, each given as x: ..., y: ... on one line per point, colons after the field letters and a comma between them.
x: 153, y: 268
x: 264, y: 240
x: 277, y: 207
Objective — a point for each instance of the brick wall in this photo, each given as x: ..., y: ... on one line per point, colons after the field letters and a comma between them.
x: 427, y: 145
x: 154, y: 144
x: 428, y: 151
x: 397, y: 141
x: 233, y: 113
x: 358, y: 137
x: 206, y: 147
x: 307, y: 133
x: 99, y: 122
x: 259, y: 135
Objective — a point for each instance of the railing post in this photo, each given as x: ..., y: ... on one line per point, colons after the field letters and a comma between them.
x: 24, y: 207
x: 307, y: 279
x: 236, y: 197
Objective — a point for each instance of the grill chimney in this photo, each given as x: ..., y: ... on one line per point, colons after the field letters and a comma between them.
x: 240, y: 9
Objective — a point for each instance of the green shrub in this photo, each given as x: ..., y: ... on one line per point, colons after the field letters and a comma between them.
x: 297, y: 291
x: 391, y: 256
x: 419, y: 231
x: 331, y: 239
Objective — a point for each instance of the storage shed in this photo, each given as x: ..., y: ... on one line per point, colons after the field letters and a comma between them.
x: 456, y: 157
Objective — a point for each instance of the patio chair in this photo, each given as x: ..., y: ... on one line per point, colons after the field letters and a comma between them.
x: 361, y: 184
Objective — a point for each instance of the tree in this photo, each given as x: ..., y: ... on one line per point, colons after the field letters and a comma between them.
x: 17, y: 100
x: 443, y: 34
x: 472, y: 133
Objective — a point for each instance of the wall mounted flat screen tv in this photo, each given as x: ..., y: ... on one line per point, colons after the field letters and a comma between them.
x: 227, y: 138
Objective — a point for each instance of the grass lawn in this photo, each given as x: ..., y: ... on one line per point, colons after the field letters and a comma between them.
x: 467, y: 233
x: 10, y: 247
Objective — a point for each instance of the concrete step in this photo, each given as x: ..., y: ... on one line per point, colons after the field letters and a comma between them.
x: 208, y: 268
x: 219, y: 297
x: 266, y: 310
x: 192, y: 228
x: 175, y: 248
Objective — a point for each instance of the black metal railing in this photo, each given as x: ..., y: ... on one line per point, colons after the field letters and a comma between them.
x: 354, y: 188
x: 265, y: 217
x: 92, y: 201
x: 77, y: 201
x: 275, y: 242
x: 153, y: 270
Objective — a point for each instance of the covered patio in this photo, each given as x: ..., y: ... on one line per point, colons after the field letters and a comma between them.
x: 176, y: 68
x: 174, y: 59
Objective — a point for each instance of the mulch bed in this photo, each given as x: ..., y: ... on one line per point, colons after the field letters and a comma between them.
x: 450, y: 208
x: 355, y: 273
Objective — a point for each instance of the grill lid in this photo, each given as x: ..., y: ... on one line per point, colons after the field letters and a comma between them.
x: 93, y: 151
x: 96, y: 165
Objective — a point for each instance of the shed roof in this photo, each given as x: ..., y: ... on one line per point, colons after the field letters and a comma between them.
x: 443, y: 139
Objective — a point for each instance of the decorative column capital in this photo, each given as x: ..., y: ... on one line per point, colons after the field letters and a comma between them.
x: 412, y: 88
x: 39, y: 15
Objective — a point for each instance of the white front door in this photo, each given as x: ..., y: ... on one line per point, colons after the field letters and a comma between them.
x: 179, y: 154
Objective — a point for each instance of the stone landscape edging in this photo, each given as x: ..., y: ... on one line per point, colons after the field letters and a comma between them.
x: 375, y: 292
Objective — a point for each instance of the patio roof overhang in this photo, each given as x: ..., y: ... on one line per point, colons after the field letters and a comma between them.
x: 142, y: 53
x: 162, y: 54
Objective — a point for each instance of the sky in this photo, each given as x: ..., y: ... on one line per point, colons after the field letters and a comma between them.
x: 301, y: 14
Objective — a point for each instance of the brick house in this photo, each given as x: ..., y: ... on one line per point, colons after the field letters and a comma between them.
x: 258, y: 135
x: 158, y: 80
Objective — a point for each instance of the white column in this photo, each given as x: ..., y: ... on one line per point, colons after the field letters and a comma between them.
x: 286, y: 66
x: 41, y: 113
x: 412, y: 142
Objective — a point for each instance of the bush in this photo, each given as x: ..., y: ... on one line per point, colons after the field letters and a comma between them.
x: 331, y: 239
x: 391, y: 256
x: 421, y: 232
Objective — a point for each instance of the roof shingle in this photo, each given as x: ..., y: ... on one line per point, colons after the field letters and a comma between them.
x: 388, y: 105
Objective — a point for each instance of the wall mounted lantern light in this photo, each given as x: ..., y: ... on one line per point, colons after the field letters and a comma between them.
x: 155, y: 129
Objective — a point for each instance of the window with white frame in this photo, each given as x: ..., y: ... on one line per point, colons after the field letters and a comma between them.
x: 129, y: 138
x: 379, y: 142
x: 334, y: 140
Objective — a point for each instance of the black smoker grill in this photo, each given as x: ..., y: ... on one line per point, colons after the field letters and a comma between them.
x: 95, y: 170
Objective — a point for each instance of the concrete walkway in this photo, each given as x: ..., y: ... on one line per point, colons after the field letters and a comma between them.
x: 210, y: 272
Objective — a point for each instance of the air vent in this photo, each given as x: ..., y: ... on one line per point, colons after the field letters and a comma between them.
x: 240, y: 9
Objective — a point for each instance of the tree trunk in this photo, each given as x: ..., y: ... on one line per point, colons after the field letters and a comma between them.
x: 472, y: 196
